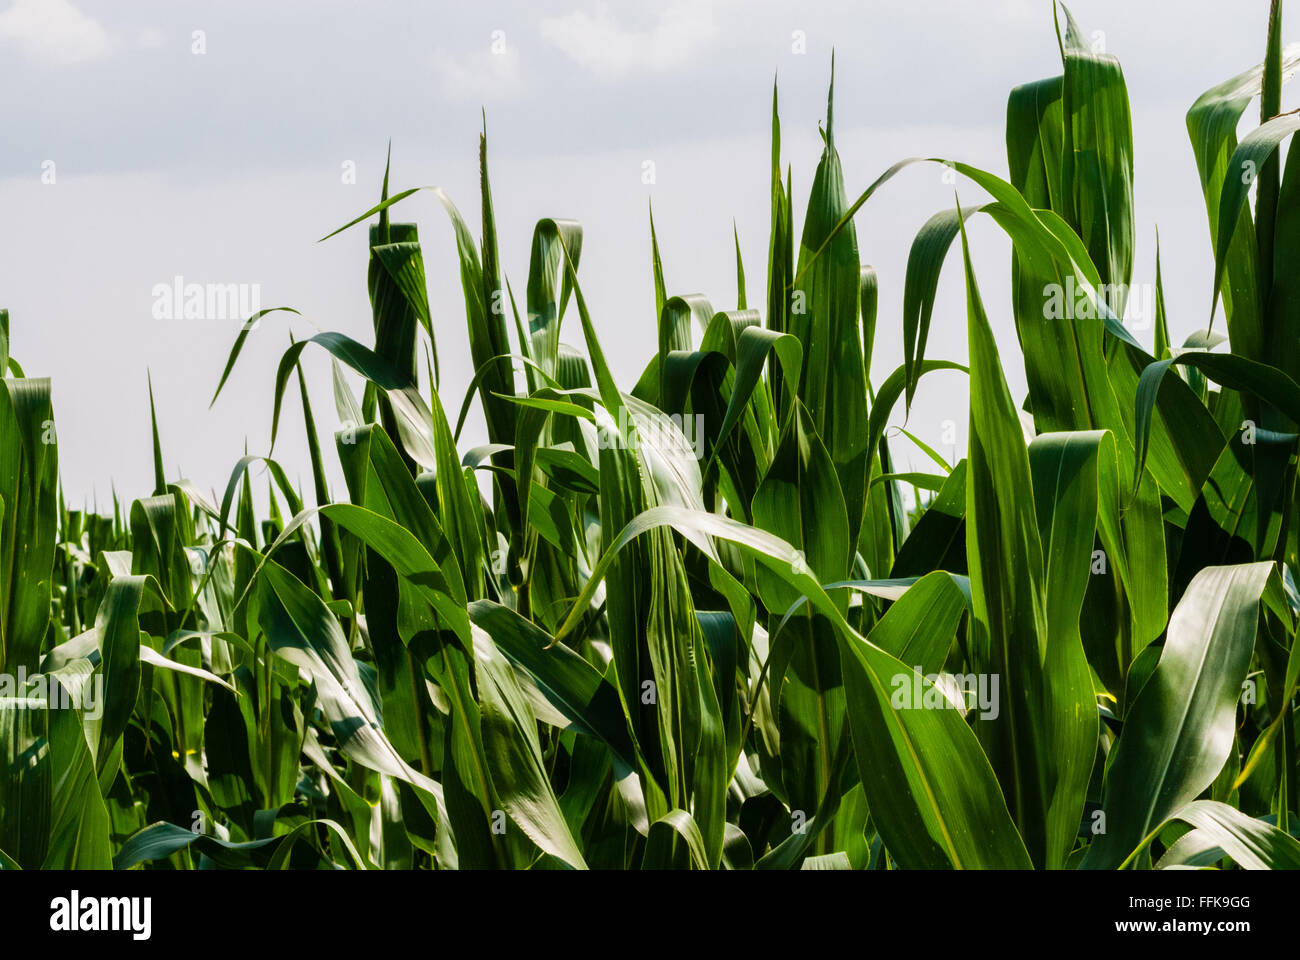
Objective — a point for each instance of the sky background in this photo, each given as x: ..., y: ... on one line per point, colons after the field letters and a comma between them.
x: 227, y: 165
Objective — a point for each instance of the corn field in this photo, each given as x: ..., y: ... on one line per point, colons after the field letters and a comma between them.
x: 712, y: 620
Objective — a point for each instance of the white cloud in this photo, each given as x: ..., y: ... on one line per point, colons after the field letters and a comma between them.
x: 603, y: 45
x: 481, y: 76
x: 53, y: 32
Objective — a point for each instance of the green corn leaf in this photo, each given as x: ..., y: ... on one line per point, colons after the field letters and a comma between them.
x: 1178, y: 733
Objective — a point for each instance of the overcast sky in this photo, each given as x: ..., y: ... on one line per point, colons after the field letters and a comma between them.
x: 141, y: 141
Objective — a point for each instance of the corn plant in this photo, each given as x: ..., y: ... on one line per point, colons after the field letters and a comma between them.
x: 708, y: 622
